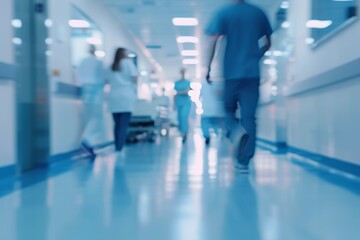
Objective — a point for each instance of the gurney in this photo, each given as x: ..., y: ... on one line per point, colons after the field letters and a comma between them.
x: 142, y: 125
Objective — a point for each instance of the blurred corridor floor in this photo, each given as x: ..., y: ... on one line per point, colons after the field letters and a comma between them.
x: 170, y: 191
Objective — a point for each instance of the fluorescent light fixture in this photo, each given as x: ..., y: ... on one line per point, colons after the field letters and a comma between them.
x: 143, y: 73
x: 285, y: 5
x: 268, y: 53
x: 185, y: 21
x: 189, y: 53
x: 309, y: 41
x: 17, y: 41
x: 49, y: 41
x: 270, y: 62
x: 131, y: 55
x: 190, y: 61
x: 48, y: 23
x: 94, y: 41
x: 187, y: 39
x: 318, y: 24
x: 100, y: 54
x: 79, y: 23
x: 285, y: 24
x: 277, y: 53
x: 16, y: 23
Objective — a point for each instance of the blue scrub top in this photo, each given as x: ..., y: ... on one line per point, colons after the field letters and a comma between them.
x: 242, y: 25
x: 182, y: 85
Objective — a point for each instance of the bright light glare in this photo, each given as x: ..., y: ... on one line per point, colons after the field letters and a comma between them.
x: 285, y: 5
x: 17, y: 41
x: 132, y: 55
x: 318, y: 24
x: 189, y: 53
x: 16, y: 23
x: 196, y: 86
x: 94, y: 41
x: 285, y: 24
x: 309, y: 41
x: 100, y: 54
x: 270, y: 62
x: 187, y: 39
x: 277, y: 53
x: 185, y: 21
x: 48, y: 23
x: 79, y: 24
x: 49, y: 41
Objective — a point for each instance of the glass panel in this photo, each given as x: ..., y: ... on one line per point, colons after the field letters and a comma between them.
x: 328, y: 16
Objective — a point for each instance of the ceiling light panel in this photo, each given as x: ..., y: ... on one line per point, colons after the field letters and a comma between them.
x: 185, y: 21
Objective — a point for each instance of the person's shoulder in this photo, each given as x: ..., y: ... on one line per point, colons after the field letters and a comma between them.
x: 255, y: 8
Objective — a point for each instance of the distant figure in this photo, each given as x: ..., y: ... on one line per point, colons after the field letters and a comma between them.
x: 91, y: 73
x: 183, y: 104
x: 213, y: 116
x: 123, y: 77
x: 248, y: 34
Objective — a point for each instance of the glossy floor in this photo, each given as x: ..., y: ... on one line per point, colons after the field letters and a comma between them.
x: 167, y: 191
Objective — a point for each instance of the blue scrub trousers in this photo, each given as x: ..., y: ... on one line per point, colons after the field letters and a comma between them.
x: 183, y: 112
x: 244, y: 92
x: 121, y: 124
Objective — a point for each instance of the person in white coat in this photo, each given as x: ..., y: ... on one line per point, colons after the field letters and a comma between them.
x: 213, y: 110
x: 123, y: 76
x: 91, y: 75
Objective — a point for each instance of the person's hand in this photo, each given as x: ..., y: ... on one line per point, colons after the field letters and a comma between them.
x: 208, y: 76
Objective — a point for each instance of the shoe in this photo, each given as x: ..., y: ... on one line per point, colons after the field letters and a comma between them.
x: 89, y: 150
x: 241, y: 168
x: 184, y: 138
x: 207, y: 141
x: 240, y: 142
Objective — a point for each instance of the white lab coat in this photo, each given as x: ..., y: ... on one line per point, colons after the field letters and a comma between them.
x: 91, y: 74
x: 122, y: 97
x: 212, y: 99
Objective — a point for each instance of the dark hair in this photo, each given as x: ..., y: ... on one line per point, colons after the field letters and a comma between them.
x: 119, y: 55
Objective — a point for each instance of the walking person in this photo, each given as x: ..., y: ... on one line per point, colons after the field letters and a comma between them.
x: 183, y: 104
x: 123, y: 76
x: 248, y: 36
x: 91, y: 74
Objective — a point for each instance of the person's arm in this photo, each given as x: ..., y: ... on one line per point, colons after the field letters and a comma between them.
x: 216, y: 29
x: 212, y: 49
x: 267, y: 33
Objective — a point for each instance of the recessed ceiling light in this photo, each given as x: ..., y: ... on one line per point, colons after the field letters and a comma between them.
x: 190, y: 61
x: 79, y: 24
x: 187, y: 39
x: 318, y: 24
x: 189, y: 53
x: 185, y: 21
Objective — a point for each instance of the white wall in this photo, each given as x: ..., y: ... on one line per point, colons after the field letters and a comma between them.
x: 66, y: 113
x: 338, y: 50
x: 7, y: 123
x: 7, y: 89
x: 325, y: 121
x: 6, y: 31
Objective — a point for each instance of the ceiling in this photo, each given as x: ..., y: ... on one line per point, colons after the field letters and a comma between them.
x: 150, y: 21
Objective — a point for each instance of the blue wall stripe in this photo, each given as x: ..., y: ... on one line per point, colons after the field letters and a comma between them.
x: 9, y: 170
x: 334, y: 163
x: 56, y: 165
x: 339, y: 74
x: 68, y: 89
x: 7, y: 71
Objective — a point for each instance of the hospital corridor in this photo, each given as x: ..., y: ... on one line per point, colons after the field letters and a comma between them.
x: 179, y: 120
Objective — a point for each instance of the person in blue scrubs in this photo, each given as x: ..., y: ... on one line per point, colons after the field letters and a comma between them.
x: 183, y: 104
x: 248, y: 36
